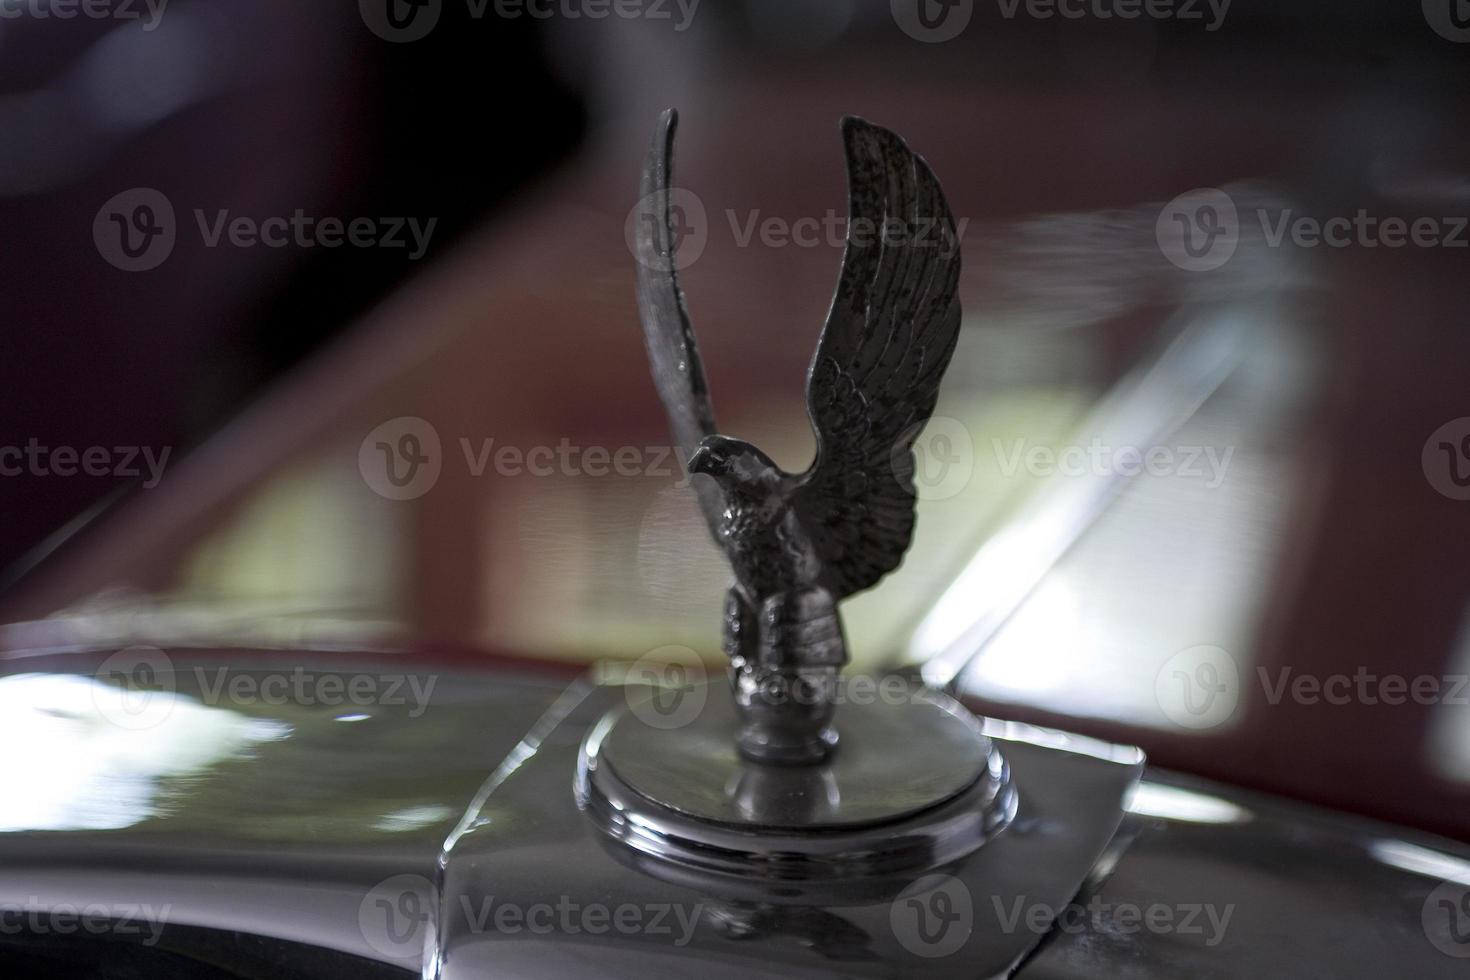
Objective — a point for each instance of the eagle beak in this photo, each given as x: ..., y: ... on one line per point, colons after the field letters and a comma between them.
x: 701, y: 460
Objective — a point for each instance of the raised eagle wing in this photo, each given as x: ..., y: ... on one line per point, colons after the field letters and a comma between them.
x: 672, y: 352
x: 875, y: 377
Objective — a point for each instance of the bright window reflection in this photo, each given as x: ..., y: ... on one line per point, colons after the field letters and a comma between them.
x: 68, y: 764
x: 1172, y: 803
x: 1182, y: 561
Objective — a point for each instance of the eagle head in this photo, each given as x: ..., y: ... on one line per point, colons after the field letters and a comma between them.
x: 733, y: 463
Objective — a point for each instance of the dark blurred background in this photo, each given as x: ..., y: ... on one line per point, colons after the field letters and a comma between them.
x: 1333, y: 543
x: 261, y: 108
x: 265, y: 107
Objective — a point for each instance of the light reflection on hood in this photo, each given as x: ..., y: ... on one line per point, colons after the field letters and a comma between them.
x: 68, y: 765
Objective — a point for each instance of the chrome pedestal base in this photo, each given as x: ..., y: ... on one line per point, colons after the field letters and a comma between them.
x: 914, y: 782
x: 550, y: 840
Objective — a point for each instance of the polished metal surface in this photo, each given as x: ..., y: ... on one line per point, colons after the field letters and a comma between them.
x: 877, y: 806
x: 200, y: 782
x: 799, y: 543
x: 928, y: 839
x: 1068, y: 803
x: 271, y: 853
x: 1213, y: 883
x: 882, y: 770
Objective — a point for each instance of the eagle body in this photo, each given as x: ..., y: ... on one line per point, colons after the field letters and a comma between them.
x: 769, y: 553
x: 779, y: 613
x: 768, y: 549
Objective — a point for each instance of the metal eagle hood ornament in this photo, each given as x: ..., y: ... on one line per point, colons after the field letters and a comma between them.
x: 744, y: 802
x: 800, y: 543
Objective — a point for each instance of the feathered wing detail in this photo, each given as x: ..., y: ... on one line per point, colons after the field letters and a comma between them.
x: 875, y: 378
x: 672, y: 352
